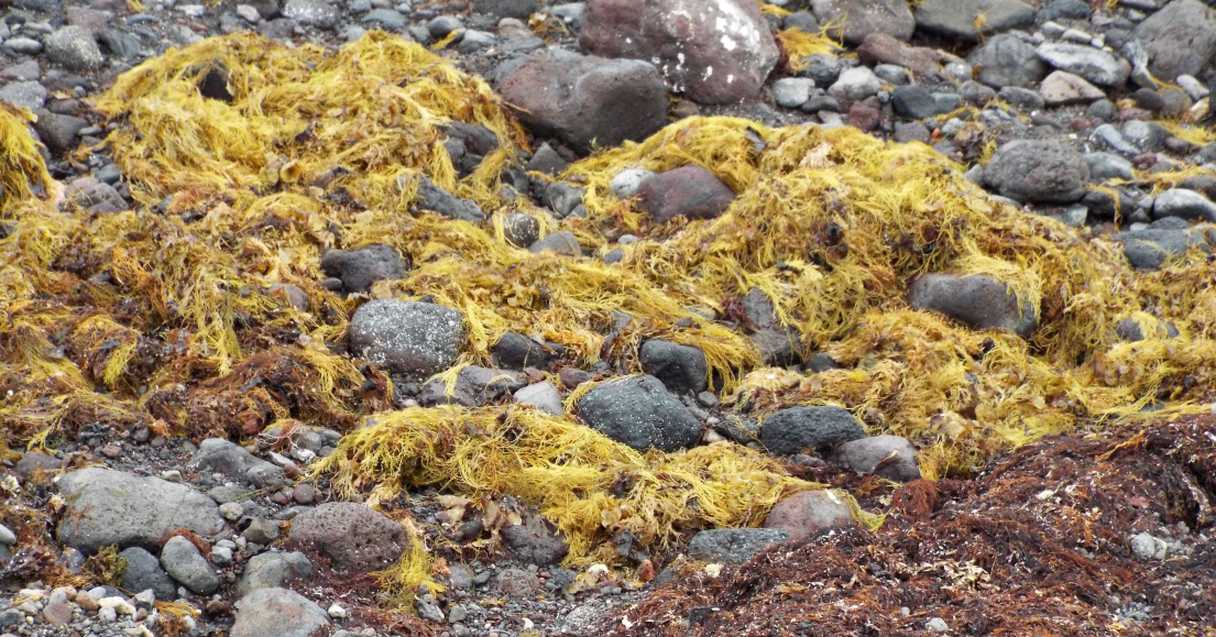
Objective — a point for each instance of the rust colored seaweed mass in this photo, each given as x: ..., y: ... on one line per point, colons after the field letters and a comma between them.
x: 1038, y: 544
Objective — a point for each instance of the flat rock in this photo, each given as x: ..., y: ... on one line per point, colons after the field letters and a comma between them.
x: 797, y: 429
x: 1149, y: 248
x: 1183, y: 203
x: 1061, y: 88
x: 430, y: 196
x: 354, y: 536
x: 688, y: 191
x: 1037, y: 171
x: 1179, y: 39
x: 714, y: 51
x: 1095, y: 65
x: 274, y: 569
x: 409, y: 338
x: 584, y: 100
x: 234, y: 461
x: 860, y: 18
x: 809, y: 512
x: 105, y: 507
x: 977, y: 300
x: 563, y: 243
x: 733, y: 546
x: 277, y: 612
x: 639, y: 412
x: 957, y: 18
x: 891, y: 457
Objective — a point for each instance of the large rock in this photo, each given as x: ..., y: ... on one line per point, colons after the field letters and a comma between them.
x: 733, y: 546
x: 354, y: 536
x: 358, y: 269
x: 1095, y: 65
x: 516, y: 351
x: 977, y: 300
x: 860, y: 18
x: 277, y: 612
x: 273, y: 569
x: 237, y: 463
x: 1037, y: 171
x: 1184, y: 203
x: 681, y: 368
x: 809, y: 512
x: 714, y: 51
x: 1149, y: 248
x: 183, y: 562
x: 1180, y: 39
x: 106, y: 507
x: 891, y: 457
x: 409, y: 338
x: 143, y: 573
x: 74, y: 48
x: 584, y: 100
x: 961, y: 18
x: 689, y: 191
x: 639, y: 412
x: 1007, y: 60
x: 818, y: 428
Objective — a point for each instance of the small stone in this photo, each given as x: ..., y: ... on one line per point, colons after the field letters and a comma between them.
x: 888, y: 456
x: 733, y: 546
x: 792, y: 92
x: 1062, y: 87
x: 181, y: 559
x: 1095, y: 65
x: 937, y: 625
x: 639, y: 412
x: 7, y: 537
x: 74, y: 48
x: 978, y: 301
x: 336, y: 611
x: 543, y: 396
x: 232, y: 511
x: 23, y: 45
x: 261, y: 531
x: 277, y: 612
x: 314, y: 13
x: 248, y: 13
x: 274, y: 569
x: 682, y: 368
x: 30, y: 95
x: 359, y: 269
x: 521, y: 229
x: 562, y: 243
x: 144, y: 572
x: 1184, y: 203
x: 1037, y: 171
x: 856, y: 84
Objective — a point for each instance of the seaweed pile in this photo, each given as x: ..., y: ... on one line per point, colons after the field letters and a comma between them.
x: 183, y: 315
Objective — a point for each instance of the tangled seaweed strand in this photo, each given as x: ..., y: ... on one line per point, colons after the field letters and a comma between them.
x: 174, y: 315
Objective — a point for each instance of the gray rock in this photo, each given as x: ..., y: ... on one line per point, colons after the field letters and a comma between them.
x: 547, y: 160
x: 413, y: 339
x: 957, y: 18
x: 7, y: 537
x: 29, y: 95
x: 1095, y: 65
x: 121, y: 44
x: 105, y: 507
x: 1110, y: 137
x: 183, y: 562
x: 358, y: 269
x: 384, y: 19
x: 564, y: 243
x: 639, y: 412
x: 273, y: 569
x: 1130, y: 329
x: 918, y: 102
x: 792, y: 92
x: 1183, y: 203
x: 1149, y: 248
x: 1022, y: 98
x: 856, y: 84
x: 1146, y: 136
x: 795, y: 429
x: 688, y: 191
x: 1007, y: 60
x: 1062, y: 88
x: 23, y: 45
x: 809, y: 512
x: 234, y: 461
x: 516, y: 351
x: 733, y: 546
x: 94, y: 196
x: 978, y: 301
x: 543, y: 396
x: 475, y: 386
x: 475, y: 40
x: 859, y: 18
x: 1104, y: 166
x: 74, y: 48
x: 277, y: 612
x: 435, y: 199
x: 891, y: 457
x: 59, y: 131
x: 261, y: 531
x: 1179, y: 39
x: 313, y: 13
x: 1037, y: 171
x: 143, y: 573
x: 584, y: 100
x: 893, y: 74
x: 731, y: 37
x: 563, y: 198
x: 354, y: 536
x: 519, y: 9
x: 681, y: 368
x: 535, y: 541
x: 1147, y: 546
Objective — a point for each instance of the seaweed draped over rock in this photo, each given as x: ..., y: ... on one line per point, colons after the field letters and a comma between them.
x: 173, y: 315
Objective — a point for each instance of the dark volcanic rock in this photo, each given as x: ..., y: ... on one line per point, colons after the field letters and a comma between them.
x: 409, y: 338
x: 359, y: 269
x: 353, y: 536
x: 978, y: 301
x: 639, y: 412
x: 733, y: 546
x: 689, y: 191
x: 681, y: 368
x: 796, y: 429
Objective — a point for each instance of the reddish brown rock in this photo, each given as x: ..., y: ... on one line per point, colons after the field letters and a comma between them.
x: 715, y: 51
x: 809, y: 512
x: 690, y: 191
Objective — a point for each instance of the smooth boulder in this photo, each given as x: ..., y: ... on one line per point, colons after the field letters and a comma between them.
x: 714, y: 51
x: 888, y: 456
x: 978, y: 301
x: 639, y: 412
x: 104, y: 507
x: 277, y: 612
x: 1036, y: 171
x: 816, y: 428
x: 584, y: 100
x: 682, y: 368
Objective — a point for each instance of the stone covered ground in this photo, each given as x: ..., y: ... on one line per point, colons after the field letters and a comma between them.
x: 267, y: 372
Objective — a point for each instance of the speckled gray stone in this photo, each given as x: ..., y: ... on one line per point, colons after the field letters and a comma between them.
x: 409, y: 338
x: 638, y: 411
